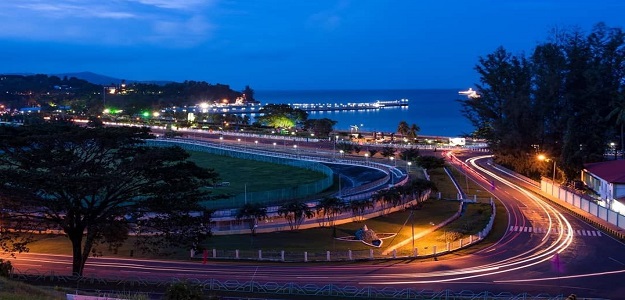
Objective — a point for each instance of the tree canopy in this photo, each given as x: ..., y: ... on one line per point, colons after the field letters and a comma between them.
x: 563, y: 100
x: 98, y: 184
x: 281, y: 116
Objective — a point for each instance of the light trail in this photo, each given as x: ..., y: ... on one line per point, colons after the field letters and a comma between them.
x: 538, y: 254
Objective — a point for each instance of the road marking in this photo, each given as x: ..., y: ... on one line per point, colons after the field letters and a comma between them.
x: 578, y: 232
x: 616, y: 261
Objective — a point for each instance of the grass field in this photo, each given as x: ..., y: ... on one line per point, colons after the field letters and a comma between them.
x: 12, y: 290
x: 253, y: 175
x: 322, y: 239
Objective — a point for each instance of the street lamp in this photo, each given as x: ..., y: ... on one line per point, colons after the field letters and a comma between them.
x: 274, y: 145
x: 612, y: 146
x: 409, y: 164
x: 336, y: 138
x: 296, y: 151
x: 342, y: 153
x: 367, y: 157
x: 542, y: 157
x: 221, y: 140
x: 392, y: 158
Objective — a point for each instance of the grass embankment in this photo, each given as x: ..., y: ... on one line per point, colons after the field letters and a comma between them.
x: 13, y: 290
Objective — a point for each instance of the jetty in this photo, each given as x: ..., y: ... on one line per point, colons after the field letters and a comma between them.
x: 379, y: 104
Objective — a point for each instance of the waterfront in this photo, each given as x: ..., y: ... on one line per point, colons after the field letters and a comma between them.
x: 436, y: 111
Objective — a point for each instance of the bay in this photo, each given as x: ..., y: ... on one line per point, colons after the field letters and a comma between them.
x: 436, y: 111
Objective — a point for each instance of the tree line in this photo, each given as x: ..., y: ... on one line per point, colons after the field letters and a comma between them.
x: 84, y: 97
x: 565, y: 100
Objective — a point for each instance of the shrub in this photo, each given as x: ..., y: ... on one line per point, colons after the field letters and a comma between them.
x: 183, y: 291
x: 5, y: 268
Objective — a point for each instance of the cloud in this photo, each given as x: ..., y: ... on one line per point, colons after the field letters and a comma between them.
x: 329, y: 19
x: 172, y: 23
x: 176, y: 4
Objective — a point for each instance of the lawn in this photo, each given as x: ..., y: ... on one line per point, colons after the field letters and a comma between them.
x: 13, y: 290
x: 319, y: 240
x: 253, y: 175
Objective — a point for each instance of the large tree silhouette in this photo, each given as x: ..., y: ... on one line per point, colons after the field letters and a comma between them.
x: 98, y: 184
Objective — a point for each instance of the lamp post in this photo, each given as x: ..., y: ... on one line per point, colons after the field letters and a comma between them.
x: 342, y: 153
x: 336, y: 138
x: 409, y: 164
x: 367, y: 157
x: 612, y: 146
x: 542, y: 157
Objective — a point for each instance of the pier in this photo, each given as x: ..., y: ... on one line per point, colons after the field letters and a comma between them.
x: 350, y: 106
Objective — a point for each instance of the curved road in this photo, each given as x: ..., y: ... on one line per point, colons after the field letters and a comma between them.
x: 545, y: 250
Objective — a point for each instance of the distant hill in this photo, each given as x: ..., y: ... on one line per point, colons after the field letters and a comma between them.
x: 103, y: 79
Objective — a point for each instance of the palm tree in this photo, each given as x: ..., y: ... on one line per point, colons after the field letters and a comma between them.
x: 390, y: 197
x: 358, y: 208
x: 253, y: 212
x: 409, y: 154
x: 418, y: 187
x: 388, y: 151
x: 412, y: 132
x: 329, y: 207
x: 403, y: 128
x: 295, y: 212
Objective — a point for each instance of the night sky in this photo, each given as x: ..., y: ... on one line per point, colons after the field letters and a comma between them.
x: 283, y: 44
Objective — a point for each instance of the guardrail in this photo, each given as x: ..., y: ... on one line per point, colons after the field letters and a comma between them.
x: 115, y: 284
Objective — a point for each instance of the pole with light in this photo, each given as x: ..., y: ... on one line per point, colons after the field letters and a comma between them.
x: 542, y: 157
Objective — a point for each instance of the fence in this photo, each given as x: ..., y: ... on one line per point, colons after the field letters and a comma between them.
x: 350, y: 255
x: 307, y: 290
x: 588, y: 206
x: 264, y: 197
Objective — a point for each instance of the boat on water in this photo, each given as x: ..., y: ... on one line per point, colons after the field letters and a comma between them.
x: 470, y: 93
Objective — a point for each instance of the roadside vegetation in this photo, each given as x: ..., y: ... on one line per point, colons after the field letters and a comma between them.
x: 563, y: 99
x: 432, y: 212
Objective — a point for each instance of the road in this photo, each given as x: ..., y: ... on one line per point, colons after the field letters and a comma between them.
x: 545, y: 250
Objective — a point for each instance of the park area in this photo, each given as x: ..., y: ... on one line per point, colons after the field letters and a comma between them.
x: 255, y: 175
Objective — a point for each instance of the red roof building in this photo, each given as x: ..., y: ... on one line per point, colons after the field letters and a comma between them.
x: 606, y: 178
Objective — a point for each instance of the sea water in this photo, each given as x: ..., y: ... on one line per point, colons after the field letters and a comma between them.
x: 436, y: 111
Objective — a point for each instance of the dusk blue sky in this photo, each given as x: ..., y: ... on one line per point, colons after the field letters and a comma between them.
x: 283, y: 44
